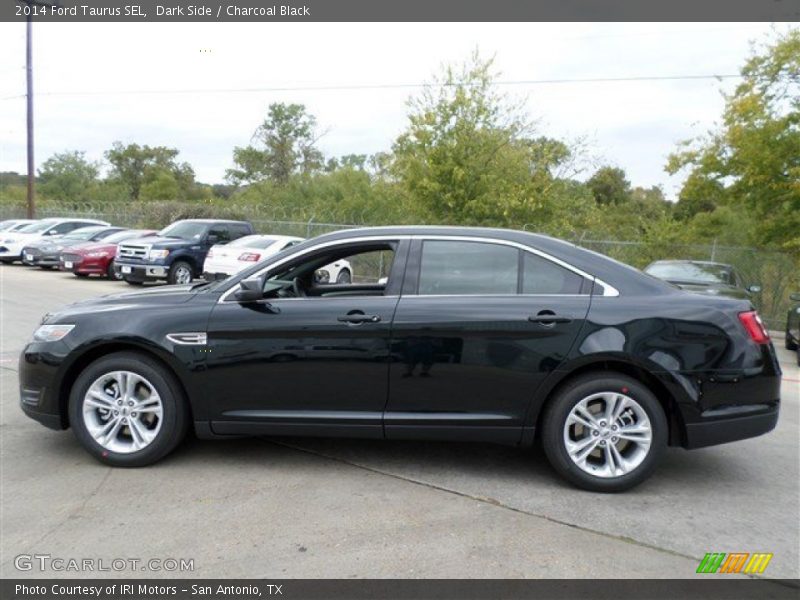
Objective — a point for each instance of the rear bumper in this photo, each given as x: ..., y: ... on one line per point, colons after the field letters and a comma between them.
x: 733, y: 424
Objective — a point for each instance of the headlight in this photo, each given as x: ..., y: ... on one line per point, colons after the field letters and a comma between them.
x: 158, y: 254
x: 52, y: 333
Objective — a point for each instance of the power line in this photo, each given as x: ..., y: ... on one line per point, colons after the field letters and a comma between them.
x: 381, y: 86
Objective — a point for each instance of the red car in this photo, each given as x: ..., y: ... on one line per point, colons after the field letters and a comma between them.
x: 97, y: 257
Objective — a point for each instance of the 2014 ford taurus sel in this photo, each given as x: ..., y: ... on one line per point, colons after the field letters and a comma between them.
x: 447, y: 333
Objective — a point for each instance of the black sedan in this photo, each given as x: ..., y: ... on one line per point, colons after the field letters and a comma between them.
x: 449, y: 333
x: 45, y: 253
x: 703, y: 277
x: 793, y: 326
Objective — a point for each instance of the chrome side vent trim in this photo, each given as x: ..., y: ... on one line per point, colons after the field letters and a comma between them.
x: 189, y: 338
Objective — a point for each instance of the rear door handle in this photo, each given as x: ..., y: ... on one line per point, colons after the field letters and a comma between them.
x: 548, y: 317
x: 358, y: 318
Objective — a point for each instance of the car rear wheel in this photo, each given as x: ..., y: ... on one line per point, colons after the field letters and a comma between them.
x: 127, y: 410
x: 344, y: 276
x: 180, y: 273
x: 604, y: 432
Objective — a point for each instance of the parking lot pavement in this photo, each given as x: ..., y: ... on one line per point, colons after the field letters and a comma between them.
x: 344, y: 508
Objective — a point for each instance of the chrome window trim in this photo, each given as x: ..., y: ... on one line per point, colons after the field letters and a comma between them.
x: 608, y: 290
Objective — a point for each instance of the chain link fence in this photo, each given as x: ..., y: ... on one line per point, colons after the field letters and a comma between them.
x: 777, y: 273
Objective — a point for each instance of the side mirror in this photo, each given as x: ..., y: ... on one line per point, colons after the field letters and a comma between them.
x: 754, y: 289
x: 250, y: 290
x: 795, y: 297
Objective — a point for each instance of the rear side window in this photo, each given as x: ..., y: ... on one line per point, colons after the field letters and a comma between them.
x: 541, y: 276
x: 468, y: 268
x: 239, y: 230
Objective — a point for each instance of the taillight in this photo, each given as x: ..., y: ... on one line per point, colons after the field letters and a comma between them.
x: 250, y: 257
x: 754, y: 327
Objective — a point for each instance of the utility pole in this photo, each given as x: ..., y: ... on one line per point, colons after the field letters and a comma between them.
x: 31, y: 6
x: 29, y: 102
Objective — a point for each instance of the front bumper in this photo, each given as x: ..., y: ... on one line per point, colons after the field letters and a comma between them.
x: 141, y: 272
x: 38, y: 258
x: 39, y: 385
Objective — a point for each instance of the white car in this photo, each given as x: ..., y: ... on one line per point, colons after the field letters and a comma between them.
x: 11, y: 244
x: 224, y: 260
x: 15, y: 224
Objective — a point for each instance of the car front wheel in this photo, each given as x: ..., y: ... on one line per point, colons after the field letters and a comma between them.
x: 180, y: 273
x: 127, y: 410
x: 604, y: 432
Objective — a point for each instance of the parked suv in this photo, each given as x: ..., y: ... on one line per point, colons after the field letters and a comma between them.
x: 176, y: 253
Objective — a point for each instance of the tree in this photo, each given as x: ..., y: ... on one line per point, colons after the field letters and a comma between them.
x: 610, y: 186
x: 284, y: 145
x: 468, y: 154
x: 753, y: 157
x: 134, y: 166
x: 68, y: 176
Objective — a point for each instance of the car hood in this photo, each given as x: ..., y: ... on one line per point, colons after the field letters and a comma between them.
x: 12, y: 238
x: 156, y: 240
x: 162, y: 296
x: 92, y: 247
x: 713, y: 289
x: 51, y: 243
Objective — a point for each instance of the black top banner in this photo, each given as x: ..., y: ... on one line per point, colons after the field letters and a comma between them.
x: 398, y: 10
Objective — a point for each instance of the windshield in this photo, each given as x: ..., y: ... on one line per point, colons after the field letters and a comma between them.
x: 127, y: 234
x: 692, y: 272
x: 185, y: 230
x: 84, y: 233
x: 37, y: 227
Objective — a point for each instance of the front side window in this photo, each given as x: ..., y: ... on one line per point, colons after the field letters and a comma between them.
x: 468, y: 268
x: 351, y: 270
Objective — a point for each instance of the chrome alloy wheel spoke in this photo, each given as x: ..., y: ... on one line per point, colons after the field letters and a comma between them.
x: 607, y: 434
x: 122, y: 411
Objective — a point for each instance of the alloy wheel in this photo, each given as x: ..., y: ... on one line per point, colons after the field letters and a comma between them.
x: 183, y: 275
x: 122, y: 411
x: 608, y: 434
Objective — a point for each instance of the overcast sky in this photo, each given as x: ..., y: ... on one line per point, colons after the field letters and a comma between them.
x: 634, y: 125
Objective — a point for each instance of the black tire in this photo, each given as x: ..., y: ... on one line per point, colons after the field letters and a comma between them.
x: 176, y: 269
x: 558, y: 409
x: 133, y: 282
x: 789, y: 341
x: 80, y: 275
x: 344, y: 276
x: 175, y: 417
x: 112, y: 273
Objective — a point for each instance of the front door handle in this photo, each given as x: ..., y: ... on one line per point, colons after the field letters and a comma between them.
x: 358, y: 318
x: 548, y: 317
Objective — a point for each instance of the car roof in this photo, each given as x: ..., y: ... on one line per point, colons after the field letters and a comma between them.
x: 625, y: 278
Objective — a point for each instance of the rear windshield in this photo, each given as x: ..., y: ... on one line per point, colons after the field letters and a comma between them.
x: 254, y: 241
x: 691, y: 272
